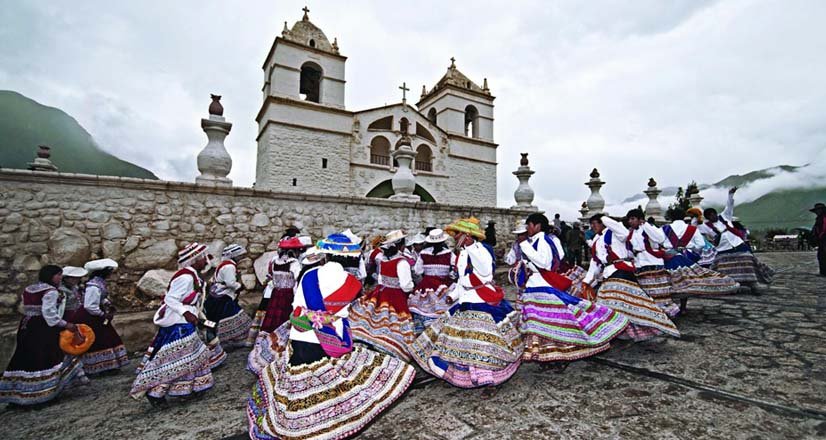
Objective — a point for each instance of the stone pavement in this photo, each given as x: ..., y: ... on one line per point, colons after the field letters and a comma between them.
x: 748, y: 366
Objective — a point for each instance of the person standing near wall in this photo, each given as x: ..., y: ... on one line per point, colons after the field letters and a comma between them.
x: 819, y: 235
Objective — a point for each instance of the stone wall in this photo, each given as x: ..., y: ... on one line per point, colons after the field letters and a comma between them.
x: 67, y: 219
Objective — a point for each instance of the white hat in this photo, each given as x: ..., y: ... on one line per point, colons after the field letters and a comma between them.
x: 353, y: 237
x: 417, y: 239
x: 103, y: 263
x: 520, y: 227
x: 233, y: 250
x: 74, y: 272
x: 436, y: 236
x: 312, y: 256
x: 393, y: 237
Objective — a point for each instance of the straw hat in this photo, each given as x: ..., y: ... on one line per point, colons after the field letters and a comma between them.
x: 520, y: 227
x: 393, y: 237
x: 469, y: 226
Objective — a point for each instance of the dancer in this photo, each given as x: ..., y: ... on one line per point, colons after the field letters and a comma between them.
x: 646, y: 242
x: 221, y: 305
x: 107, y: 353
x: 434, y: 266
x: 558, y: 326
x: 734, y: 255
x: 381, y: 317
x: 70, y: 288
x: 477, y: 343
x: 319, y: 385
x: 178, y: 363
x: 39, y: 370
x: 619, y: 289
x: 345, y: 249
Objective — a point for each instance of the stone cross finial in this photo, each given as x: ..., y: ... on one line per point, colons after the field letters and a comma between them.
x: 306, y: 11
x: 404, y: 90
x: 452, y: 62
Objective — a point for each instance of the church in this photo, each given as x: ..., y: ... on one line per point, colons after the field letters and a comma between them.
x: 310, y: 143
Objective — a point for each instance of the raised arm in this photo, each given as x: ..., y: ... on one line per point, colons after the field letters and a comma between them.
x: 619, y: 230
x: 728, y: 213
x: 541, y: 257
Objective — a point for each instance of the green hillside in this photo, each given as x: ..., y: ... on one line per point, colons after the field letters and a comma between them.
x: 738, y: 180
x: 781, y: 209
x: 26, y: 124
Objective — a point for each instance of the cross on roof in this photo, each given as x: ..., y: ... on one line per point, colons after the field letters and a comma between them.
x: 404, y: 90
x: 306, y: 11
x: 452, y: 62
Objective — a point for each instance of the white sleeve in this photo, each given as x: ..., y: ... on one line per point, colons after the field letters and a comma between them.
x: 295, y: 268
x: 593, y: 272
x: 178, y: 289
x: 50, y: 310
x: 541, y: 257
x: 91, y: 301
x: 510, y: 257
x: 362, y: 271
x: 228, y: 277
x: 461, y: 263
x: 619, y: 230
x: 405, y: 279
x: 559, y: 249
x: 418, y: 269
x: 697, y: 243
x: 728, y: 213
x: 655, y: 234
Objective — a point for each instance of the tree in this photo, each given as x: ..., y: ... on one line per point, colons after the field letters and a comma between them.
x: 681, y: 199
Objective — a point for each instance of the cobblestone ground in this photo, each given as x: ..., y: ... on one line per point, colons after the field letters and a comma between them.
x: 748, y: 366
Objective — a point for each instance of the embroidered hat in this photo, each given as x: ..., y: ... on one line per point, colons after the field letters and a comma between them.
x: 74, y: 272
x: 339, y: 244
x: 295, y: 243
x: 436, y: 236
x: 520, y: 227
x: 353, y: 237
x: 695, y: 212
x: 104, y: 263
x: 393, y: 237
x: 469, y: 226
x: 233, y: 250
x: 190, y: 254
x: 417, y: 239
x: 312, y: 256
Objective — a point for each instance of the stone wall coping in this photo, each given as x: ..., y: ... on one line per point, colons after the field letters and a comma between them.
x: 46, y: 177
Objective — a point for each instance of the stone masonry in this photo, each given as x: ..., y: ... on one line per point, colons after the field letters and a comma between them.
x: 68, y: 219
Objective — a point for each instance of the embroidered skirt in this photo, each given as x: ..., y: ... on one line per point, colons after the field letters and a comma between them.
x: 656, y: 281
x: 428, y: 302
x: 278, y: 309
x: 627, y: 297
x: 382, y: 319
x: 107, y: 352
x: 39, y: 370
x: 179, y: 364
x: 233, y: 323
x: 332, y: 398
x: 266, y: 347
x: 471, y: 346
x: 693, y: 279
x: 257, y: 320
x: 743, y: 267
x: 560, y: 327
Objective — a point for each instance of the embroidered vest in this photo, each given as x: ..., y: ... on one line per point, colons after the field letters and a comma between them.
x: 436, y: 265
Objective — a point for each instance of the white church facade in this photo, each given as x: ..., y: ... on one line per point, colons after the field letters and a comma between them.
x: 308, y: 142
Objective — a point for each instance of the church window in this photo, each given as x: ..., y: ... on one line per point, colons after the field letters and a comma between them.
x: 404, y: 125
x: 471, y: 121
x: 424, y: 158
x: 295, y: 181
x: 424, y: 133
x: 431, y: 115
x: 312, y: 42
x: 310, y: 84
x: 323, y: 162
x: 385, y: 123
x: 380, y: 151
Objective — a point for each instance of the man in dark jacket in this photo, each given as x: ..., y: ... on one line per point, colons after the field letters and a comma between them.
x: 490, y: 234
x: 819, y: 235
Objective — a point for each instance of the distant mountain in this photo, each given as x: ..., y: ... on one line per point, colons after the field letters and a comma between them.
x: 779, y: 208
x: 26, y: 124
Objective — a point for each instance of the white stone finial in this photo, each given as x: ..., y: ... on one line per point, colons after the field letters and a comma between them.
x: 695, y: 199
x: 595, y: 202
x: 653, y: 208
x: 583, y: 213
x: 524, y: 193
x: 485, y: 86
x: 41, y: 162
x: 285, y: 31
x: 404, y: 182
x: 214, y: 162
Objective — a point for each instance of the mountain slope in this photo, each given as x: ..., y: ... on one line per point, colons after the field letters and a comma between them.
x: 26, y: 124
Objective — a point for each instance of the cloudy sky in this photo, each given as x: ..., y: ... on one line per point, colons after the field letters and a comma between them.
x: 675, y: 90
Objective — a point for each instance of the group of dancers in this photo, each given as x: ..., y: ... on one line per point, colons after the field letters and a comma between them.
x: 344, y: 325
